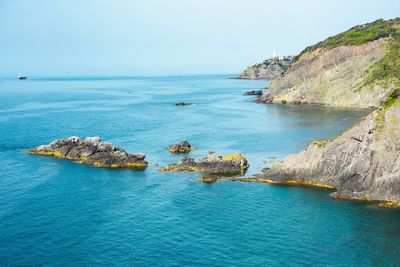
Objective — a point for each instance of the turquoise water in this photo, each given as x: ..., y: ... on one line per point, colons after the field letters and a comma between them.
x: 58, y: 212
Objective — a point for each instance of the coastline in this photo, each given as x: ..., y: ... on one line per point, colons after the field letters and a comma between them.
x: 331, y: 189
x: 356, y: 68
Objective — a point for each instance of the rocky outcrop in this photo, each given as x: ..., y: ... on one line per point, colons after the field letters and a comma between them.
x: 91, y: 151
x: 213, y: 164
x: 269, y: 69
x: 254, y: 92
x: 181, y: 147
x: 180, y: 104
x: 362, y: 163
x: 331, y: 77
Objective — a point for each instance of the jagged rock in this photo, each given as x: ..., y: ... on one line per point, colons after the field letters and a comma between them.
x: 233, y: 164
x: 183, y: 104
x: 181, y: 147
x: 91, y: 151
x: 253, y: 92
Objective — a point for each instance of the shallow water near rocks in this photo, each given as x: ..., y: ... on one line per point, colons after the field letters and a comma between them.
x: 58, y: 212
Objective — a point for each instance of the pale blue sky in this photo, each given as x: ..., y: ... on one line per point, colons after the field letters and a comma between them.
x: 163, y: 37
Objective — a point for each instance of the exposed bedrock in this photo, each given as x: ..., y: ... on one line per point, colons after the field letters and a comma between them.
x: 331, y: 77
x: 91, y: 151
x: 362, y: 163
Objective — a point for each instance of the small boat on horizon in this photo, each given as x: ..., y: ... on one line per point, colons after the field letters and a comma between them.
x: 22, y: 76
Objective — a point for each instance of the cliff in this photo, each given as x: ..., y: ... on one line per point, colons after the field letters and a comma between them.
x: 362, y: 163
x: 269, y: 69
x: 360, y: 67
x: 342, y: 70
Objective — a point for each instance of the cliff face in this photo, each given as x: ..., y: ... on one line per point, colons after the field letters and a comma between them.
x: 362, y: 163
x: 269, y: 69
x: 330, y: 77
x: 359, y: 67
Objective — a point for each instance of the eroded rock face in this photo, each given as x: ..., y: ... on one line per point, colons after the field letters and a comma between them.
x: 181, y: 147
x: 362, y: 163
x: 91, y: 151
x: 330, y: 77
x: 234, y: 164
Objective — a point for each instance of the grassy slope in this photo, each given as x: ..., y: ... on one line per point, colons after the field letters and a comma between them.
x: 387, y: 70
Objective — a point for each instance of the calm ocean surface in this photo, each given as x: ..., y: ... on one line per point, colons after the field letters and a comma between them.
x: 57, y: 212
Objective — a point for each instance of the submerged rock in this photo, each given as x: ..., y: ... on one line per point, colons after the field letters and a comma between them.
x: 91, y: 151
x: 182, y: 147
x: 233, y: 164
x: 183, y: 104
x: 253, y: 92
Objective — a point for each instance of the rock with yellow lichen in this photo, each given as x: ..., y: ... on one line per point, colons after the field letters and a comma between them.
x: 91, y: 151
x: 233, y: 164
x: 181, y: 147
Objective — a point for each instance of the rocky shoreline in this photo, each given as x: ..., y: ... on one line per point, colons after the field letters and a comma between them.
x: 91, y: 151
x: 329, y: 188
x: 363, y: 163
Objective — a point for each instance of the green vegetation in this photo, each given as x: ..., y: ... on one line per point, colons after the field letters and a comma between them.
x: 357, y: 35
x: 380, y: 115
x: 392, y: 98
x: 283, y: 66
x: 320, y: 143
x: 250, y: 69
x: 388, y: 68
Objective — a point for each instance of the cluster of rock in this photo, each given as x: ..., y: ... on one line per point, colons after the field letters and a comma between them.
x: 91, y: 151
x: 269, y: 69
x: 181, y: 147
x: 234, y: 164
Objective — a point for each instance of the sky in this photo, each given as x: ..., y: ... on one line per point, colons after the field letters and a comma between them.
x: 167, y: 37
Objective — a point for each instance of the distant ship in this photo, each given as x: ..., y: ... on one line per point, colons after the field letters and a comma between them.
x: 22, y: 76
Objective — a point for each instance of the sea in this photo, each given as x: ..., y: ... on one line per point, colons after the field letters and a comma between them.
x: 56, y: 212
